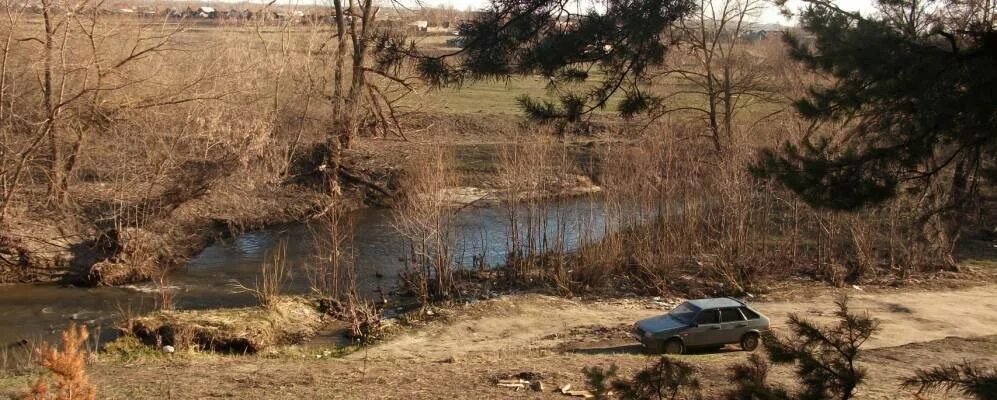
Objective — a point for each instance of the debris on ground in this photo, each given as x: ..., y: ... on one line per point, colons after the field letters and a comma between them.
x: 566, y: 390
x: 514, y: 383
x: 523, y: 380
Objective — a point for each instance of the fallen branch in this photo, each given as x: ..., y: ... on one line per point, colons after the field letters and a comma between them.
x: 346, y: 174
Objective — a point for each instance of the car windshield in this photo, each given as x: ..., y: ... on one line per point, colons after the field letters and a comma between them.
x: 684, y: 312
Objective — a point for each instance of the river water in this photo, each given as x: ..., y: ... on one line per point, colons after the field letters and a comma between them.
x: 35, y: 312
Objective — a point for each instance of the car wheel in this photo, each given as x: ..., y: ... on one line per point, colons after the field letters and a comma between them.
x: 749, y: 342
x: 673, y: 346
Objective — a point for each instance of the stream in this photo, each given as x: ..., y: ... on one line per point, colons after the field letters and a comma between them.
x: 35, y: 312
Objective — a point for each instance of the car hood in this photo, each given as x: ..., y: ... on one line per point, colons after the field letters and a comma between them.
x: 660, y: 323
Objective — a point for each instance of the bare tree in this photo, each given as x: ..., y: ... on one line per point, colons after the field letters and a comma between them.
x: 365, y: 100
x: 78, y: 67
x: 725, y: 78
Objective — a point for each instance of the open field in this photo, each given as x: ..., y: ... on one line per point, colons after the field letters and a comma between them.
x: 475, y: 97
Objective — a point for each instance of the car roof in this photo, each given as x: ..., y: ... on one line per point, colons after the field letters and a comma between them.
x: 719, y: 302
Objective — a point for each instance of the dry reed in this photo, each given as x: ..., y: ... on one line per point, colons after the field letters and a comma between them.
x: 272, y: 278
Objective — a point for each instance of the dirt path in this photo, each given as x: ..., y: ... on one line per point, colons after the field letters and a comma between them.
x: 908, y: 317
x: 532, y: 322
x: 463, y: 356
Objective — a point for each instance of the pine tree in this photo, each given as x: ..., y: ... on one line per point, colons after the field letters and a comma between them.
x: 969, y: 379
x: 67, y: 378
x: 825, y: 358
x: 667, y: 379
x: 913, y: 104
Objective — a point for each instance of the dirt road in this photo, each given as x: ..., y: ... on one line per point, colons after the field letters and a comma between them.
x: 532, y: 322
x: 463, y: 356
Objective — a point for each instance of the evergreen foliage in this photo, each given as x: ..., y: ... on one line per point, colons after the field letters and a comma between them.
x: 913, y: 101
x: 619, y: 43
x: 750, y: 380
x: 966, y: 378
x: 667, y: 379
x: 825, y: 359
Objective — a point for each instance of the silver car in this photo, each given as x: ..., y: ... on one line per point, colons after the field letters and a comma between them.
x: 702, y: 323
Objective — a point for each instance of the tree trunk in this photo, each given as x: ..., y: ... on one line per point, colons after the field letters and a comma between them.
x: 50, y: 127
x: 338, y: 104
x: 359, y: 35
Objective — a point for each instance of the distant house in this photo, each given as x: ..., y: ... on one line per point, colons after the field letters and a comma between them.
x: 236, y: 14
x: 565, y: 23
x: 200, y: 12
x: 420, y: 25
x: 207, y: 12
x: 752, y: 36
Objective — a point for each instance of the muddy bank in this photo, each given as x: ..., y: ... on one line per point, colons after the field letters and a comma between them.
x: 289, y: 320
x: 110, y: 242
x: 44, y: 252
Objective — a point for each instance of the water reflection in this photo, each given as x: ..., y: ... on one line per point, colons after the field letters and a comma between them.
x: 27, y: 311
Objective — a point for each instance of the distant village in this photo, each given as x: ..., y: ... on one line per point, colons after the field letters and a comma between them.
x: 424, y: 21
x: 428, y: 20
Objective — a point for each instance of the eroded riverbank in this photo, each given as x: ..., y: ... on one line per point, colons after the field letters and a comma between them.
x: 39, y: 311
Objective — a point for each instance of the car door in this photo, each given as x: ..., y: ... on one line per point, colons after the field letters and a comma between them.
x: 706, y: 332
x: 732, y: 325
x: 754, y: 320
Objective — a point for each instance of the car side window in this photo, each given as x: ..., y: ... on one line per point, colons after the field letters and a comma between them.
x: 707, y: 317
x: 748, y: 313
x: 731, y: 315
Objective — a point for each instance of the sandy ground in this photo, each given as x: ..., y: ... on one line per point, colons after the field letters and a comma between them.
x: 533, y: 322
x: 463, y: 355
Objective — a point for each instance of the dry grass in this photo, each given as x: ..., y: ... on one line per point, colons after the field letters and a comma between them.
x: 16, y: 358
x: 333, y: 270
x: 272, y: 278
x: 159, y: 149
x: 426, y: 220
x: 679, y: 217
x: 681, y: 212
x: 240, y: 330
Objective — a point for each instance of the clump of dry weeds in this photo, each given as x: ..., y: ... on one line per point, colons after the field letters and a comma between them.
x: 272, y: 278
x: 426, y: 220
